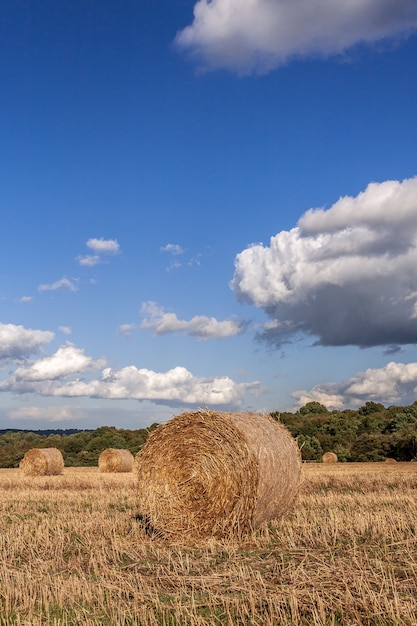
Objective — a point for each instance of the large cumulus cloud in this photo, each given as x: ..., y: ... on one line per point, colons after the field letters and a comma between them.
x: 257, y: 35
x: 346, y: 275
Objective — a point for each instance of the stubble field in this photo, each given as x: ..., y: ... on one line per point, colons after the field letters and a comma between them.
x: 72, y: 552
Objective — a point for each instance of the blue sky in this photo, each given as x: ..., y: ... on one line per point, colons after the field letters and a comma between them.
x: 205, y: 204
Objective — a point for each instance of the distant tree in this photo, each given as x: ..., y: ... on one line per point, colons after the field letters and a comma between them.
x: 371, y: 407
x: 312, y: 407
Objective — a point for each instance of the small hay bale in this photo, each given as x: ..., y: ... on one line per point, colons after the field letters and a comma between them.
x: 390, y: 461
x: 216, y: 474
x: 42, y: 462
x: 114, y: 460
x: 329, y: 457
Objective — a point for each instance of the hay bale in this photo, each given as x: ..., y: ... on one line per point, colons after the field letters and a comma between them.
x: 114, y: 460
x: 216, y: 474
x: 42, y: 462
x: 390, y: 461
x: 329, y: 457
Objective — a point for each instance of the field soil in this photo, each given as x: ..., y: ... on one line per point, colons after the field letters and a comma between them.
x: 73, y: 552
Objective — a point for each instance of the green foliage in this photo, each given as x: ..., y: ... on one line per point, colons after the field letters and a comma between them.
x: 79, y: 448
x: 310, y: 447
x: 312, y: 407
x: 371, y: 407
x: 372, y: 433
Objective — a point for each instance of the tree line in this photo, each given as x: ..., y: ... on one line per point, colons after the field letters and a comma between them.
x: 79, y: 448
x: 370, y: 433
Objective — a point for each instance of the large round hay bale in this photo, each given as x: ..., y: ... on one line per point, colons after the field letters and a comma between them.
x: 42, y: 462
x: 216, y: 474
x: 329, y: 457
x: 390, y: 461
x: 114, y: 460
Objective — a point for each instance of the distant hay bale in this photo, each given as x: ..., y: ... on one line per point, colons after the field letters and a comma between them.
x: 390, y: 461
x: 114, y: 460
x: 216, y: 474
x: 42, y: 462
x: 329, y: 457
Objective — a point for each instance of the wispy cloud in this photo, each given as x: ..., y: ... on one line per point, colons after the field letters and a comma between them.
x: 63, y: 282
x: 63, y: 413
x: 345, y: 276
x: 89, y: 260
x: 255, y: 36
x: 126, y: 329
x: 26, y: 299
x: 173, y: 248
x: 200, y: 326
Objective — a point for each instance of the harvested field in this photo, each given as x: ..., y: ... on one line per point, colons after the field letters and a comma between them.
x: 72, y: 552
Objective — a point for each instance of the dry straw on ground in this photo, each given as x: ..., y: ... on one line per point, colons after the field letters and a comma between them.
x: 329, y: 457
x: 216, y: 474
x: 42, y: 462
x: 114, y: 460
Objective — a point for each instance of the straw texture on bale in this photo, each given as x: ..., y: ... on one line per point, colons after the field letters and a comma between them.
x: 217, y: 474
x: 114, y: 460
x: 42, y: 462
x: 329, y: 457
x: 390, y: 461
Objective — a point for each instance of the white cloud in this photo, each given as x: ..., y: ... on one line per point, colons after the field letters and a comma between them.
x: 104, y: 246
x: 18, y: 342
x: 25, y: 299
x: 394, y: 383
x: 345, y: 275
x: 176, y: 386
x: 63, y: 282
x: 54, y: 376
x: 64, y: 413
x: 89, y: 260
x: 199, y: 326
x: 126, y: 329
x: 173, y: 248
x: 100, y: 247
x: 67, y: 330
x: 247, y: 36
x: 66, y: 361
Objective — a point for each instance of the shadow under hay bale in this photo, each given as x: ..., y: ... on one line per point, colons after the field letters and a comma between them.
x: 42, y: 462
x: 216, y: 474
x: 114, y: 460
x: 329, y: 457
